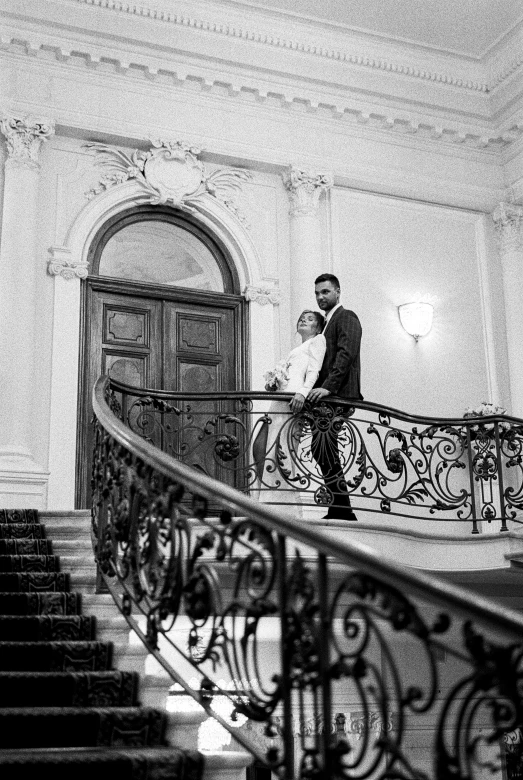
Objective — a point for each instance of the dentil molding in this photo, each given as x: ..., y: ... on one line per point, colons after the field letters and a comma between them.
x: 262, y: 294
x: 403, y: 121
x: 240, y: 31
x: 508, y: 221
x: 304, y: 188
x: 170, y: 172
x: 24, y: 136
x: 60, y: 263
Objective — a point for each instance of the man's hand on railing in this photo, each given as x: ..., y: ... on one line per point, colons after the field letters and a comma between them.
x: 296, y: 403
x: 317, y: 394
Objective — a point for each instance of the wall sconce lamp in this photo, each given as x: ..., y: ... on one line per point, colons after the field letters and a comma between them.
x: 416, y: 318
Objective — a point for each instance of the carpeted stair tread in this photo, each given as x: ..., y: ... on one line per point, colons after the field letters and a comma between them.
x: 63, y: 709
x: 55, y: 656
x: 68, y: 689
x: 81, y: 727
x: 34, y: 581
x: 158, y: 763
x: 27, y: 516
x: 44, y: 603
x: 22, y: 531
x: 24, y: 563
x: 26, y: 547
x: 47, y: 628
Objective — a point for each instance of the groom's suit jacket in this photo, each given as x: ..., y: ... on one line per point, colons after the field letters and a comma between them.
x: 340, y: 372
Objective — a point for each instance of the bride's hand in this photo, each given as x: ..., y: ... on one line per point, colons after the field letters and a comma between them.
x: 296, y: 403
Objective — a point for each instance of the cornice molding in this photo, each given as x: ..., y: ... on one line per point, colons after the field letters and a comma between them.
x: 400, y: 120
x: 291, y: 44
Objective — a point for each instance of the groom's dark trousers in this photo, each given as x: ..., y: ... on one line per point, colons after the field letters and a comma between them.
x: 340, y: 375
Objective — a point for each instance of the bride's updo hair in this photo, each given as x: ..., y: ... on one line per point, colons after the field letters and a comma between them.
x: 320, y: 319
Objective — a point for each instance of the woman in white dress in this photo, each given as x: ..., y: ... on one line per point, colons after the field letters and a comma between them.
x: 278, y: 482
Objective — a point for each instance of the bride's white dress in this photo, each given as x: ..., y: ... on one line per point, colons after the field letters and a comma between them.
x: 303, y: 366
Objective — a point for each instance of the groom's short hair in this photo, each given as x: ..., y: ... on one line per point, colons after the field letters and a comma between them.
x: 328, y: 278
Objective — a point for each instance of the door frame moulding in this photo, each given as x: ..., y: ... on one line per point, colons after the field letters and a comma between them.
x: 70, y: 264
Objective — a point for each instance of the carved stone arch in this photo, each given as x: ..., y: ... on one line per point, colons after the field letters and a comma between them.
x: 69, y: 264
x: 185, y: 220
x: 213, y: 216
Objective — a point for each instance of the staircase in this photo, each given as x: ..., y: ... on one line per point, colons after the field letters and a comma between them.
x: 69, y: 696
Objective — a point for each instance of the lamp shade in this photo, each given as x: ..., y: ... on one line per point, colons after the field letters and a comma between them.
x: 416, y: 318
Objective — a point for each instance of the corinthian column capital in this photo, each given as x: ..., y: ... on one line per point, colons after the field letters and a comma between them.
x: 508, y: 220
x: 304, y: 188
x: 24, y: 136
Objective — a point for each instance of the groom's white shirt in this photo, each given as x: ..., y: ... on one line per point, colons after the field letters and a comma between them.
x: 329, y: 314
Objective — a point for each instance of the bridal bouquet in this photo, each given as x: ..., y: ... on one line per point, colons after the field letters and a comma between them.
x: 486, y: 409
x: 275, y: 379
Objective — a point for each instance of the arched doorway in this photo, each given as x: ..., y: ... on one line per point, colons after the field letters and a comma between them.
x: 161, y: 308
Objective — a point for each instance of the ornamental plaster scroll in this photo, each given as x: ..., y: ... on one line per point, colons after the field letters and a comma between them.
x: 24, y: 136
x: 305, y: 188
x: 170, y: 172
x: 61, y: 264
x: 262, y: 294
x: 508, y: 221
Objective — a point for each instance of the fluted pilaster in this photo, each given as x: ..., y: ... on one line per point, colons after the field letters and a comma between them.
x: 305, y: 189
x: 19, y: 269
x: 508, y: 221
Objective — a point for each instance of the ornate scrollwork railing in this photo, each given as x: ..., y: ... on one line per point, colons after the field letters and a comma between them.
x: 346, y: 664
x: 464, y: 470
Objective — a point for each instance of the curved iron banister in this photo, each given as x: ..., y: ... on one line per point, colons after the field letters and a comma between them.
x: 387, y: 461
x: 163, y: 557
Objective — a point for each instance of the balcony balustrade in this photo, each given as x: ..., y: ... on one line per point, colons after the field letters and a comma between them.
x: 455, y: 471
x: 337, y: 662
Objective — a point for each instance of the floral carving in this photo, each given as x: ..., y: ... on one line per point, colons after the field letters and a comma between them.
x: 24, y: 136
x: 262, y: 294
x: 170, y: 172
x: 305, y: 188
x: 508, y: 221
x: 60, y: 264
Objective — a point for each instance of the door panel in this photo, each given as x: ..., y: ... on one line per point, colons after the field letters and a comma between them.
x: 200, y: 357
x: 163, y: 340
x: 125, y: 326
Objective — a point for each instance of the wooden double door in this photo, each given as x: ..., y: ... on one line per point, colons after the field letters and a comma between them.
x: 168, y: 339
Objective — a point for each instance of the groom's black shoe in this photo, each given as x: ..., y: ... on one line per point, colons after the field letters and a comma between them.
x: 340, y: 513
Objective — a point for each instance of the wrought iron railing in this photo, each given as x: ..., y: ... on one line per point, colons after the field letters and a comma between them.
x: 345, y: 664
x: 464, y: 470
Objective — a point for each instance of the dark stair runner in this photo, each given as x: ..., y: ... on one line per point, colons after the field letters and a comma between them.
x: 62, y: 706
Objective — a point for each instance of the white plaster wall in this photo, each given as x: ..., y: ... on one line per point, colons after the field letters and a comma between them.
x: 389, y: 251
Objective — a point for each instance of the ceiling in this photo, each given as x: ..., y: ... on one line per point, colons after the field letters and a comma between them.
x: 469, y: 27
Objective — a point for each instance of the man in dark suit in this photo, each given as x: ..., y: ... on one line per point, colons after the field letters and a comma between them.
x: 340, y: 376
